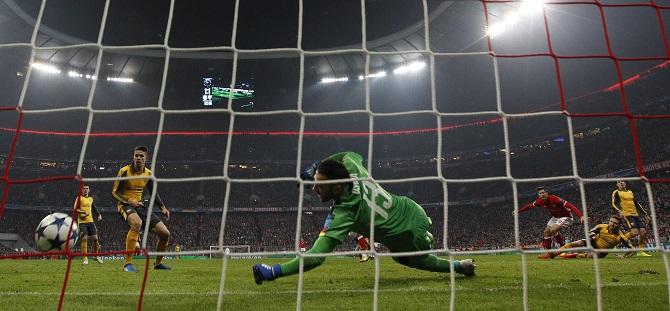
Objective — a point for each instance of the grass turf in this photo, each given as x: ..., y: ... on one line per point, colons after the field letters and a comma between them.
x: 340, y: 284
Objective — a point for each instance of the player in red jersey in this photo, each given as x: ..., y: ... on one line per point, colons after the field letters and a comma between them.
x: 302, y: 245
x: 561, y: 215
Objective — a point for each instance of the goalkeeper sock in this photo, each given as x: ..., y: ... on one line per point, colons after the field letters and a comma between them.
x: 84, y: 247
x: 131, y: 239
x: 546, y: 242
x: 559, y: 239
x: 161, y: 247
x: 96, y: 246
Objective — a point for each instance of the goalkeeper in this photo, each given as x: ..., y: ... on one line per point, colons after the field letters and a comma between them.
x: 400, y: 223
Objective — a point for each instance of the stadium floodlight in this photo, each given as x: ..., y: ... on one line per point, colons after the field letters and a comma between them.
x: 373, y: 75
x: 495, y: 30
x: 119, y: 79
x: 331, y: 80
x: 90, y: 77
x: 46, y: 67
x: 377, y: 74
x: 411, y: 67
x: 530, y: 7
x: 74, y: 74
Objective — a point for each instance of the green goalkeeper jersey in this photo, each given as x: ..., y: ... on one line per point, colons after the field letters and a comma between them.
x: 400, y: 223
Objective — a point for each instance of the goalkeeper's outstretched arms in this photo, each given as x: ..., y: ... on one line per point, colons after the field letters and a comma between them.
x: 323, y: 244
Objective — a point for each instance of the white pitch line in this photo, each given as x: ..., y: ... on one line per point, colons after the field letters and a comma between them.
x: 337, y: 291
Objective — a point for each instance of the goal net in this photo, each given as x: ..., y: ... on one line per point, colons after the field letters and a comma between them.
x: 466, y: 107
x: 235, y: 251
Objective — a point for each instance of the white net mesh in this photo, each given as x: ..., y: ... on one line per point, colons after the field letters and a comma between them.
x: 373, y: 121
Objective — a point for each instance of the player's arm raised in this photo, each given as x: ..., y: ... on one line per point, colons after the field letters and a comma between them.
x: 526, y: 207
x: 574, y: 210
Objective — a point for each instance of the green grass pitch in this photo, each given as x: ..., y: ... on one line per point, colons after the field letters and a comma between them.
x: 340, y: 284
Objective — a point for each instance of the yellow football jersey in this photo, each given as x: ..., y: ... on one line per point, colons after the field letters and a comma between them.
x: 85, y: 208
x: 603, y: 239
x: 125, y: 190
x: 624, y: 201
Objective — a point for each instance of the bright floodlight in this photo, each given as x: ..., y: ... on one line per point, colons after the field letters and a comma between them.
x: 122, y: 80
x: 378, y: 74
x: 411, y: 67
x: 373, y: 75
x: 90, y: 77
x: 46, y: 68
x: 74, y: 74
x: 529, y: 7
x: 331, y: 80
x: 495, y: 30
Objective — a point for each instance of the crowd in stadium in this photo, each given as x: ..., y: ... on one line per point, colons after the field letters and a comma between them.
x: 263, y: 214
x: 472, y: 226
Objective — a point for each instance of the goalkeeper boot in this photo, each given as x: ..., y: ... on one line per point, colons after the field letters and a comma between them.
x: 467, y: 267
x: 263, y: 272
x: 129, y: 268
x: 162, y: 266
x: 98, y: 259
x: 85, y: 260
x: 363, y: 258
x: 642, y: 254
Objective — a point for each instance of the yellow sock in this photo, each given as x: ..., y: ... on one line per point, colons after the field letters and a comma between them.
x: 96, y: 247
x: 131, y: 239
x: 161, y: 247
x: 84, y: 247
x: 641, y: 243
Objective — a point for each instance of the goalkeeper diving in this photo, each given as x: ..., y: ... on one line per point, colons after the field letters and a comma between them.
x: 399, y: 223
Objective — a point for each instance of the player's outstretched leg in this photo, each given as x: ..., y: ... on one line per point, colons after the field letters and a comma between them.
x: 263, y: 272
x: 435, y: 264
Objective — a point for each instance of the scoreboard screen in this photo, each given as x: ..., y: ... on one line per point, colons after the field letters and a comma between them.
x: 213, y: 95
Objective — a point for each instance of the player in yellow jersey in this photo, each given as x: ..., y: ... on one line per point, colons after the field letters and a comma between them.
x: 128, y: 194
x: 603, y: 236
x: 85, y: 209
x: 633, y: 214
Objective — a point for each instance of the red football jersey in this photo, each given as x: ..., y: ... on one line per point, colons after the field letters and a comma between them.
x: 555, y: 205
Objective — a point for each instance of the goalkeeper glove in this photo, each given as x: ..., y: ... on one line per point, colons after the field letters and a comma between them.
x: 308, y: 172
x: 263, y: 272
